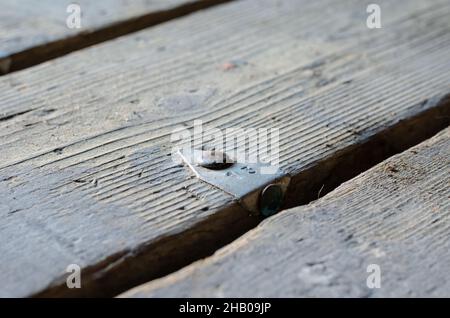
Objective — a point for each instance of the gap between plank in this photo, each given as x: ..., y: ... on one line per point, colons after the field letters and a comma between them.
x: 227, y: 224
x: 48, y: 51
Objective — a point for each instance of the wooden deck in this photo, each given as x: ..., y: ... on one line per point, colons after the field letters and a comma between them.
x: 395, y: 216
x: 31, y: 34
x: 86, y: 170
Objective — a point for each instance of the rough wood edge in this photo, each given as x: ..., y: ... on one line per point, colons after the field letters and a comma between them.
x: 48, y: 51
x: 384, y: 169
x: 131, y: 268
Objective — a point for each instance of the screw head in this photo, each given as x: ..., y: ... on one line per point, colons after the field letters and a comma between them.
x: 213, y: 159
x: 270, y: 200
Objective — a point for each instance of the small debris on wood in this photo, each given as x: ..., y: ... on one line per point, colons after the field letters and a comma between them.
x: 391, y: 169
x: 58, y: 151
x: 230, y: 65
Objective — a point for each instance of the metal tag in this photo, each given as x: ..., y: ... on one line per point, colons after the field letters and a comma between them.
x: 248, y: 183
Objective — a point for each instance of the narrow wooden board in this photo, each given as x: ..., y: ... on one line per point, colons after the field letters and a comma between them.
x: 33, y: 32
x: 86, y: 172
x: 395, y: 216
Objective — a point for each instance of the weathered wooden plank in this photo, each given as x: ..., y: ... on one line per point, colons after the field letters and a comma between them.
x: 395, y: 216
x: 32, y: 32
x: 85, y: 139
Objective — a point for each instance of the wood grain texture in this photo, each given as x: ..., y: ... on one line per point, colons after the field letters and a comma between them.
x: 32, y: 32
x: 396, y: 215
x: 86, y: 174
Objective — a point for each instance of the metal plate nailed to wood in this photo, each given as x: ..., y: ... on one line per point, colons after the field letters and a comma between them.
x: 259, y: 187
x: 87, y: 175
x: 394, y: 217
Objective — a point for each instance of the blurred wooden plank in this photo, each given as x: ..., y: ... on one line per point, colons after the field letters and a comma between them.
x: 32, y: 32
x: 396, y: 216
x: 86, y: 171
